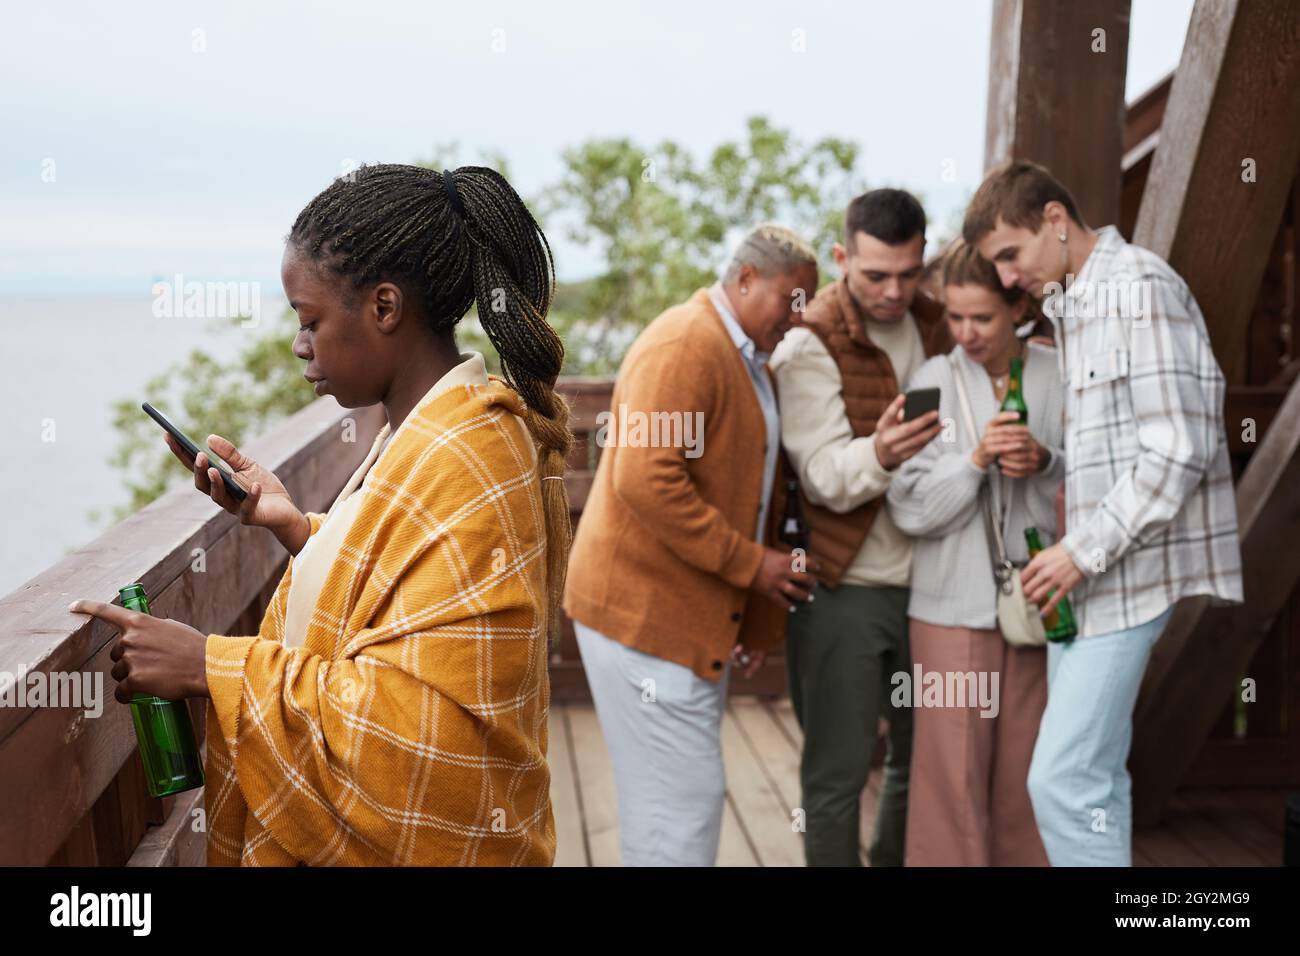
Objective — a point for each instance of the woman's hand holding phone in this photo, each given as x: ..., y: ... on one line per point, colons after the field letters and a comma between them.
x: 268, y: 504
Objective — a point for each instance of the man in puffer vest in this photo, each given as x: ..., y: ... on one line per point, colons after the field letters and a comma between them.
x: 839, y: 378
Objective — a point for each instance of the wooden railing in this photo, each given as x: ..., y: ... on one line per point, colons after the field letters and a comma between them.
x: 71, y: 787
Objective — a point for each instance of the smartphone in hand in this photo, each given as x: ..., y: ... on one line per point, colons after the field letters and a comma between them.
x: 233, y: 487
x: 919, y: 401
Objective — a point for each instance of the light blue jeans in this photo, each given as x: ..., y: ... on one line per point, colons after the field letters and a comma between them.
x: 1078, y: 779
x: 663, y: 727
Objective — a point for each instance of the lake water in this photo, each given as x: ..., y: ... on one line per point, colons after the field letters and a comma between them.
x: 65, y: 362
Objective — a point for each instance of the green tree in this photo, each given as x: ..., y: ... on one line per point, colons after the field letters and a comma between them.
x: 660, y: 221
x: 237, y: 400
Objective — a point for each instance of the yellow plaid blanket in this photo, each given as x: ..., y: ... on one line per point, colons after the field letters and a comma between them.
x: 410, y: 728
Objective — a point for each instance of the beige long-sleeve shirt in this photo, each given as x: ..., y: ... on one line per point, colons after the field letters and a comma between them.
x: 837, y: 470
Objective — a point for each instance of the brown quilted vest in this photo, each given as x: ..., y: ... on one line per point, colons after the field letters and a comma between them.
x: 869, y: 385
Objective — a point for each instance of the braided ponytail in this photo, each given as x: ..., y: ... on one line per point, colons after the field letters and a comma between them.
x: 456, y: 239
x: 513, y: 290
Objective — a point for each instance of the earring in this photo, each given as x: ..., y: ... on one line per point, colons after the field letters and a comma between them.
x: 743, y: 290
x: 1061, y: 237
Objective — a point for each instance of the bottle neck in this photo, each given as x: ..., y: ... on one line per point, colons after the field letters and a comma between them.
x: 1014, y: 376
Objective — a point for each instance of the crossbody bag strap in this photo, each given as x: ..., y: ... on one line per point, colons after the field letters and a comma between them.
x: 998, y: 548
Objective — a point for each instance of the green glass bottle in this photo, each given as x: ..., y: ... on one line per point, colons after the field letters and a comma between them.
x: 1015, y: 398
x: 163, y: 729
x: 1060, y: 623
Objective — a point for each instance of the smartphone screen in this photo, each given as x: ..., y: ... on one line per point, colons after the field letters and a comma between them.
x: 919, y: 401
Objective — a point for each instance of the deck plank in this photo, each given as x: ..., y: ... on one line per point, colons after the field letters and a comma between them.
x: 783, y: 711
x: 761, y: 748
x: 758, y: 803
x: 869, y: 805
x: 1210, y: 841
x: 1163, y: 847
x: 734, y: 848
x: 1139, y: 856
x: 1267, y: 805
x: 1237, y: 822
x: 570, y: 841
x: 595, y: 777
x: 780, y: 755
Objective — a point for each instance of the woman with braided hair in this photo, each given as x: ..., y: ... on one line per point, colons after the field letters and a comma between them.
x: 392, y: 710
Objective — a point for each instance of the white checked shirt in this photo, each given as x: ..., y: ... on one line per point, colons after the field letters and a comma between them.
x: 756, y: 363
x: 1151, y: 515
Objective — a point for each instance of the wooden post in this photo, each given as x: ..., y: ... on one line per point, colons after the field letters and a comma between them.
x: 1056, y: 95
x: 1222, y: 171
x: 1226, y: 159
x: 1196, y: 664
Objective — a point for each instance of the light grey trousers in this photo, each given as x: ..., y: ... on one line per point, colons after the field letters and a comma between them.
x: 663, y: 727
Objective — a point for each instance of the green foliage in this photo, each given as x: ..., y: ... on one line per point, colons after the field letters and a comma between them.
x: 238, y: 400
x: 661, y: 221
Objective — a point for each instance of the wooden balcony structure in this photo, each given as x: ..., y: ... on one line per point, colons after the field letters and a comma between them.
x: 1209, y: 771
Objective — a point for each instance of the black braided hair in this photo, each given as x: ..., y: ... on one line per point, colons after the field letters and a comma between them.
x: 391, y: 222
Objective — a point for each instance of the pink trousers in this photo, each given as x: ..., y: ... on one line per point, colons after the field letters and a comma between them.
x: 968, y: 803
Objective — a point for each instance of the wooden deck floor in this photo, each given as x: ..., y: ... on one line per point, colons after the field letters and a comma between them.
x: 760, y: 742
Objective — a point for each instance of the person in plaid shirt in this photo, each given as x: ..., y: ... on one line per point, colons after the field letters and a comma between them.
x: 1150, y: 511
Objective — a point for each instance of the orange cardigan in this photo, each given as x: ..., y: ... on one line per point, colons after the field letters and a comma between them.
x: 665, y: 551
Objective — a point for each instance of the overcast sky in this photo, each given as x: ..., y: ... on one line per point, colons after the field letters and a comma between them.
x: 166, y: 159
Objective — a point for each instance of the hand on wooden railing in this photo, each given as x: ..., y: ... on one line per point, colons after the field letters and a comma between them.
x: 155, y: 655
x: 268, y: 504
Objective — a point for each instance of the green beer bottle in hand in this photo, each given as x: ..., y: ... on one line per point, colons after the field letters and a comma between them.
x: 163, y: 729
x: 1060, y: 623
x: 1015, y: 397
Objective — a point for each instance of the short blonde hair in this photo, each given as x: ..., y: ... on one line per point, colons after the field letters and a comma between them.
x: 771, y: 249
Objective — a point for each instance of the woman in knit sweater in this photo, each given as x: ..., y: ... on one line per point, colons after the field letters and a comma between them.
x: 392, y: 708
x: 968, y: 803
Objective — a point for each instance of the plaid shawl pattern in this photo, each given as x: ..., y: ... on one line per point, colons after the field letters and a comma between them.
x: 410, y: 727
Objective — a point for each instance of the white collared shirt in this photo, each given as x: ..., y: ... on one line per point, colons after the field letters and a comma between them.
x: 756, y: 363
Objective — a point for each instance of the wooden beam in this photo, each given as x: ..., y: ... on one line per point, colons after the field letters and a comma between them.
x: 176, y: 842
x: 1224, y: 763
x: 1226, y: 159
x: 1205, y: 649
x: 1260, y: 404
x: 1143, y: 116
x: 1057, y: 98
